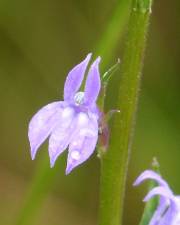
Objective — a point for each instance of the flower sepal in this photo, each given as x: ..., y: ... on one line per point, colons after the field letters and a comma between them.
x: 103, y: 141
x: 104, y: 82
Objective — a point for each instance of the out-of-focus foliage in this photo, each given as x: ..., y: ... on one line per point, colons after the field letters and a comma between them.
x: 40, y: 41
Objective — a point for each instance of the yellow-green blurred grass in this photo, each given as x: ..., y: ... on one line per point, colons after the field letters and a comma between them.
x: 39, y: 42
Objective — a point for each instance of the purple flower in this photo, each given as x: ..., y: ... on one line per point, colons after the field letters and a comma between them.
x: 72, y: 123
x: 168, y: 209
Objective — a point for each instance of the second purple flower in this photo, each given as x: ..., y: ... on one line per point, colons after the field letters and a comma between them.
x: 72, y: 123
x: 168, y: 209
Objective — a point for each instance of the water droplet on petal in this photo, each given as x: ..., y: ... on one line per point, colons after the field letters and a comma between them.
x: 74, y: 143
x: 67, y: 112
x: 82, y: 119
x: 75, y: 155
x: 79, y: 98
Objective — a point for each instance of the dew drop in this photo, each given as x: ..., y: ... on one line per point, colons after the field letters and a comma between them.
x: 75, y: 155
x: 79, y: 98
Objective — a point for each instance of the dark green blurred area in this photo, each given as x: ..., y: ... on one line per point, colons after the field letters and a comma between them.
x: 40, y: 41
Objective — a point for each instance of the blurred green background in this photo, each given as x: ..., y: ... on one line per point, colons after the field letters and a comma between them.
x: 40, y: 41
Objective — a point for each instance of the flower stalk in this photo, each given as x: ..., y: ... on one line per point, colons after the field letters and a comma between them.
x: 115, y: 162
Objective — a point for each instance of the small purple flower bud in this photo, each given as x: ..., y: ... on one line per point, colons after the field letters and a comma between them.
x: 72, y: 123
x: 168, y: 209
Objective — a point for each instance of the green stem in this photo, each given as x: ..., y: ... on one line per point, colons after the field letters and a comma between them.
x: 114, y: 163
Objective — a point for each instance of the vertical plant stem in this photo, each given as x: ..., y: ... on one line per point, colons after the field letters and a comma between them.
x: 114, y: 163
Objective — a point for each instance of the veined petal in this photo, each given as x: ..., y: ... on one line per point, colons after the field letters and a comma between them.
x: 42, y: 124
x: 82, y: 145
x: 74, y: 79
x: 149, y: 174
x: 61, y: 135
x: 93, y: 83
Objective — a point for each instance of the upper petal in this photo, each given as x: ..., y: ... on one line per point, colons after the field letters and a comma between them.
x: 42, y: 124
x: 162, y: 215
x: 167, y: 197
x: 93, y: 83
x: 74, y: 79
x: 162, y: 191
x: 149, y: 174
x: 82, y: 145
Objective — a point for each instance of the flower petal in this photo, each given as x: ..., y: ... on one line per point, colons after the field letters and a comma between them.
x: 82, y: 145
x: 74, y: 79
x: 93, y: 83
x: 167, y: 196
x: 149, y: 174
x: 159, y: 211
x: 177, y: 218
x: 169, y: 205
x: 61, y: 135
x: 162, y: 191
x: 76, y: 157
x: 42, y: 124
x: 169, y: 217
